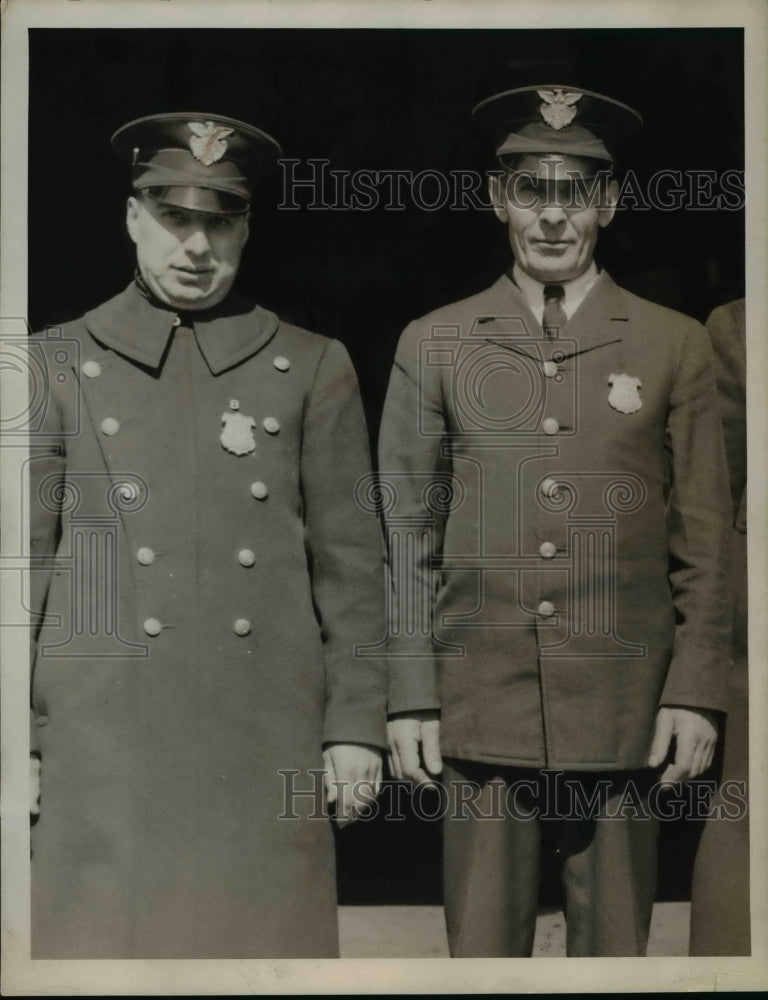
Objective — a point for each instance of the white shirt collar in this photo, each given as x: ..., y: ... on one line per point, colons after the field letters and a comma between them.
x: 575, y: 290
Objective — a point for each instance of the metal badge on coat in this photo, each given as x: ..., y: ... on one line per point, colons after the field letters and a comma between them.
x: 237, y: 436
x: 625, y: 393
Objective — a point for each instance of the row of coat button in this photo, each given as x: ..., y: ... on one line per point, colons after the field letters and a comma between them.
x: 146, y: 556
x: 259, y: 491
x: 549, y: 487
x: 92, y: 369
x: 153, y: 627
x: 110, y: 426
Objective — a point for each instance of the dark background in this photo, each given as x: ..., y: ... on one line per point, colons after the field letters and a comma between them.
x: 379, y: 100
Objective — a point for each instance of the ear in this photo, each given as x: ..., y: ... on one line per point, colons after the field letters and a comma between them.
x: 132, y: 217
x: 246, y: 229
x: 496, y: 190
x: 607, y: 211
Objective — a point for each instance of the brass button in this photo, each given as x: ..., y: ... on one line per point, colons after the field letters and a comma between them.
x: 145, y: 556
x: 242, y: 626
x: 246, y: 557
x: 547, y: 550
x: 152, y: 626
x: 92, y: 369
x: 110, y: 426
x: 282, y: 364
x: 259, y: 490
x: 550, y: 369
x: 271, y: 425
x: 176, y: 321
x: 550, y: 426
x: 546, y: 609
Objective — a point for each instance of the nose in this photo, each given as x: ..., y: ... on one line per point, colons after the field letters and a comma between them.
x: 552, y: 214
x: 197, y: 243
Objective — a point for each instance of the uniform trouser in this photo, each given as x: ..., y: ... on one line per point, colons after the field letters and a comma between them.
x: 492, y: 835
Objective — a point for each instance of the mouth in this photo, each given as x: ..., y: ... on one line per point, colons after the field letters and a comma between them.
x: 551, y: 246
x: 194, y: 277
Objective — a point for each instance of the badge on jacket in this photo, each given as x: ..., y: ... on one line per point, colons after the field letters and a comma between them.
x: 625, y: 393
x: 237, y: 436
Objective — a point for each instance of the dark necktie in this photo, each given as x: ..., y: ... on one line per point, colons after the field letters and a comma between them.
x: 554, y: 314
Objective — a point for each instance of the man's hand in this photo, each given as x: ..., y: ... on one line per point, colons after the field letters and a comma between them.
x: 34, y: 786
x: 352, y: 778
x: 414, y: 740
x: 695, y: 732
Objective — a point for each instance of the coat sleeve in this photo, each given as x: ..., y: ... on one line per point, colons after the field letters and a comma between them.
x: 699, y: 533
x: 726, y: 329
x: 345, y: 548
x: 45, y: 484
x: 413, y: 431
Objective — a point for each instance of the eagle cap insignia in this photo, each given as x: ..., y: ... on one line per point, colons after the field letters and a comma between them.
x: 208, y: 141
x: 237, y: 436
x: 625, y: 393
x: 557, y: 109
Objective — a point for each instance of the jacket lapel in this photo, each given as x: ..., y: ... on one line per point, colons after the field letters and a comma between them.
x: 601, y: 317
x: 228, y: 336
x: 140, y: 330
x: 505, y: 312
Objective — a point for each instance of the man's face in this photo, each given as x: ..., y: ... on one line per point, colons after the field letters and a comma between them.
x: 551, y: 217
x: 188, y: 259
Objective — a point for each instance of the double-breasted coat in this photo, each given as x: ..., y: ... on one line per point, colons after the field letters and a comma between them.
x: 202, y: 607
x: 557, y: 516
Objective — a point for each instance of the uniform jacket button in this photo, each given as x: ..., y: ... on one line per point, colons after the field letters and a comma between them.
x: 110, y: 426
x: 242, y: 626
x: 548, y: 487
x: 547, y: 550
x: 152, y: 626
x: 145, y: 556
x: 259, y: 490
x: 92, y: 369
x: 271, y: 425
x: 550, y: 426
x: 176, y: 321
x: 546, y: 609
x: 282, y: 364
x: 246, y: 557
x: 550, y: 369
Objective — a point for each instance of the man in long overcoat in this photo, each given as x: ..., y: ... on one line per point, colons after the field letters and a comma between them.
x: 202, y: 576
x: 553, y: 474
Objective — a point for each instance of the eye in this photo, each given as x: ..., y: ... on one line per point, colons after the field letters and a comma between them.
x: 177, y: 218
x: 523, y: 190
x: 222, y: 222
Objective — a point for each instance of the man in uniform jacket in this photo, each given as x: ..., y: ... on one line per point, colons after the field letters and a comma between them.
x: 202, y: 576
x: 553, y: 478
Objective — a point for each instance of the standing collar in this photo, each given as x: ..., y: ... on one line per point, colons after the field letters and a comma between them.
x: 136, y: 327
